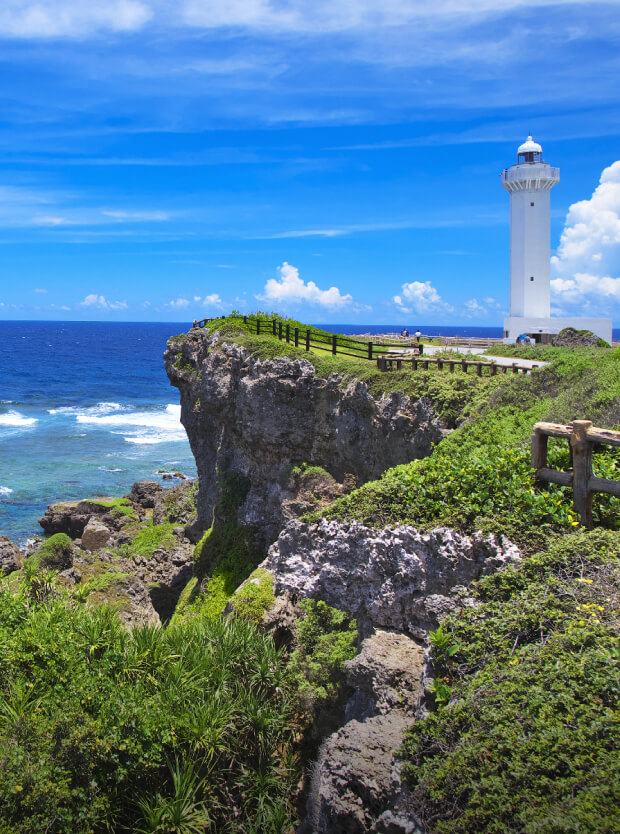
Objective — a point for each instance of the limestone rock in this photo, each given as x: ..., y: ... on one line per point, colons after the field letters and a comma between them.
x: 176, y: 505
x: 355, y: 779
x: 145, y: 493
x: 71, y: 517
x: 397, y: 579
x: 569, y: 337
x: 95, y: 535
x: 11, y: 557
x: 386, y: 674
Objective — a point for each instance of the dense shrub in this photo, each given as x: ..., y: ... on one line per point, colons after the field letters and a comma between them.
x: 528, y: 739
x: 103, y: 729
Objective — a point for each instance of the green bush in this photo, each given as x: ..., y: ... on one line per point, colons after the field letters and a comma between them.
x: 526, y: 740
x: 326, y: 638
x: 55, y: 552
x: 103, y: 729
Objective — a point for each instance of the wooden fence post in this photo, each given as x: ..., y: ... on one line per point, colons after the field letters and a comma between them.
x: 464, y: 365
x: 245, y: 319
x: 258, y: 327
x: 307, y: 340
x: 582, y: 470
x: 539, y: 449
x: 288, y: 332
x: 296, y: 337
x: 274, y: 325
x: 479, y: 368
x: 493, y: 369
x: 370, y: 351
x: 334, y: 344
x: 280, y: 330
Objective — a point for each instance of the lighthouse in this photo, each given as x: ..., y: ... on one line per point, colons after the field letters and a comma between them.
x: 529, y: 182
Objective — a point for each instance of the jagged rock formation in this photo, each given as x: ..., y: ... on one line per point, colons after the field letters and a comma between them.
x: 259, y: 418
x: 144, y: 588
x: 11, y: 557
x: 398, y: 578
x: 398, y: 583
x: 569, y: 337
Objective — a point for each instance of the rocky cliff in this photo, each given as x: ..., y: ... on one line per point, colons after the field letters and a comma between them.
x: 258, y: 419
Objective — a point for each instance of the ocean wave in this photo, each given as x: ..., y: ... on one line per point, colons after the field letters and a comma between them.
x: 14, y: 419
x: 142, y: 427
x: 100, y: 409
x: 5, y: 490
x: 107, y: 469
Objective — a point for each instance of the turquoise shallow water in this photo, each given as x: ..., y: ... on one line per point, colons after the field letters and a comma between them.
x: 85, y: 409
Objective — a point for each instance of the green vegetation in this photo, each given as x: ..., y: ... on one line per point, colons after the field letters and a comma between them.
x: 118, y: 507
x: 103, y: 729
x: 480, y: 476
x: 529, y: 738
x: 55, y: 552
x: 326, y: 638
x: 224, y: 557
x: 150, y: 538
x: 255, y: 597
x: 179, y: 503
x: 183, y: 365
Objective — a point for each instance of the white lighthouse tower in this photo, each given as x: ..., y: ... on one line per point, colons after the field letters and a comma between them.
x: 529, y: 184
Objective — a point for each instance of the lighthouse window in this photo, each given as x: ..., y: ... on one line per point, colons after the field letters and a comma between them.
x: 531, y: 204
x: 531, y: 278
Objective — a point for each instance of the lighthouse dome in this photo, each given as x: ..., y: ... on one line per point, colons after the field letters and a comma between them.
x: 529, y: 146
x: 529, y: 151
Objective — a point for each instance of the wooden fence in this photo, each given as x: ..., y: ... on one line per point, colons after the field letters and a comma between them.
x: 391, y: 362
x: 582, y: 436
x: 384, y: 353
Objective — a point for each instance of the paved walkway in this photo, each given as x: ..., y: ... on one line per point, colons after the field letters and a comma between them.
x: 430, y: 350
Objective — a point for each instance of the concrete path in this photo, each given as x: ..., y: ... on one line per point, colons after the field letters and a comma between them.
x: 430, y: 350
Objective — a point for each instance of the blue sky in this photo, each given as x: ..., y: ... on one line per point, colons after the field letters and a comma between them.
x: 338, y: 161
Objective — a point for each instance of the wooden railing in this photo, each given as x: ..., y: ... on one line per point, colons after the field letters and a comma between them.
x: 384, y: 353
x: 582, y: 436
x: 333, y: 343
x: 390, y: 362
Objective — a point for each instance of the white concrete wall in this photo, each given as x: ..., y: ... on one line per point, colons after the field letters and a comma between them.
x: 516, y: 325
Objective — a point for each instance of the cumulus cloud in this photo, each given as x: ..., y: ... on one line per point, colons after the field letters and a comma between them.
x: 213, y: 301
x: 179, y: 302
x: 290, y: 288
x: 40, y: 290
x: 70, y: 18
x: 100, y: 302
x: 419, y: 297
x: 587, y: 264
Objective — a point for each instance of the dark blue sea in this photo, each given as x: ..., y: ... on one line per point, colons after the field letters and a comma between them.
x: 85, y: 409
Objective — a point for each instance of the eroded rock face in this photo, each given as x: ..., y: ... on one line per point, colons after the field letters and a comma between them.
x: 145, y: 493
x: 569, y: 337
x: 257, y: 418
x: 11, y: 557
x: 397, y: 579
x: 96, y: 535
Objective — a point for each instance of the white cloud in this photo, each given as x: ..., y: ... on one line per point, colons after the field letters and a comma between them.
x: 137, y: 216
x: 419, y: 296
x: 179, y: 302
x: 39, y: 290
x: 94, y: 300
x: 342, y: 15
x: 213, y: 301
x: 587, y: 264
x: 290, y: 288
x: 70, y: 18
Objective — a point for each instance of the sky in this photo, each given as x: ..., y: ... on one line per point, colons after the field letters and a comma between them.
x: 337, y: 161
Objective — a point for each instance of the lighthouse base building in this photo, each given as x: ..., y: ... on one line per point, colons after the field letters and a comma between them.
x: 543, y: 330
x: 529, y: 184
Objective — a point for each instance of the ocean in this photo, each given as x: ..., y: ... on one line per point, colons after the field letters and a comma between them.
x: 86, y: 409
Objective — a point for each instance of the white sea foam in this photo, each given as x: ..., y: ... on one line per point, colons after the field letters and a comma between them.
x: 5, y: 490
x: 100, y: 409
x: 142, y: 427
x: 106, y: 469
x: 14, y: 419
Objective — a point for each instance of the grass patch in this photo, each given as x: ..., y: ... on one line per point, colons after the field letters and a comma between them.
x: 55, y: 553
x: 149, y: 539
x: 255, y: 597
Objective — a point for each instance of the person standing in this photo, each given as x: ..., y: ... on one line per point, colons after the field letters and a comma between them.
x: 418, y: 335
